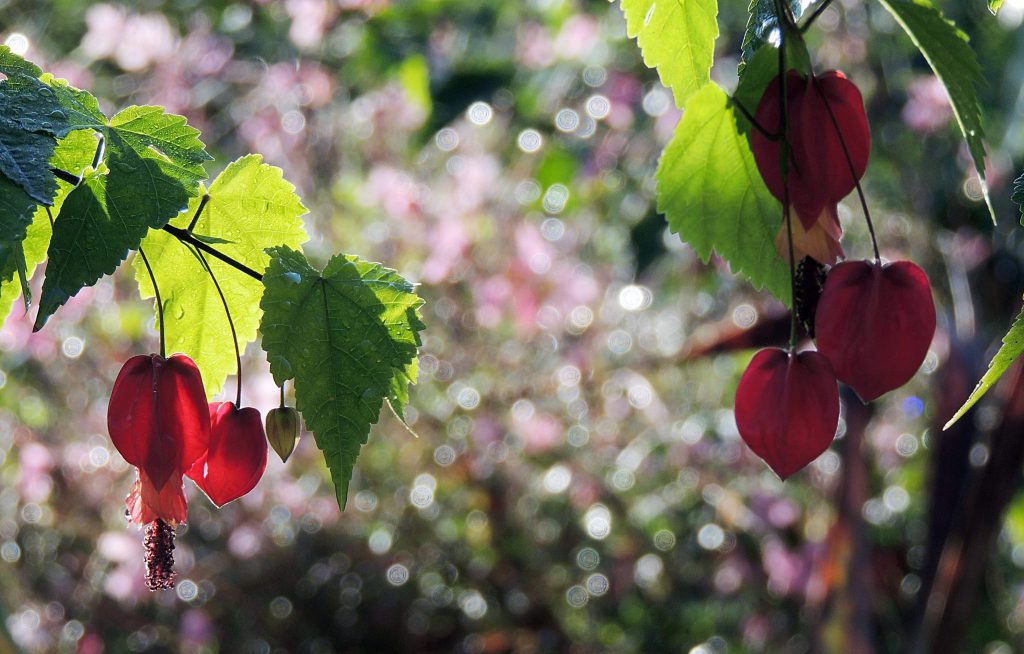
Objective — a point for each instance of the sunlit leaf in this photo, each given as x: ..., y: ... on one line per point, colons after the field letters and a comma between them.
x: 348, y: 337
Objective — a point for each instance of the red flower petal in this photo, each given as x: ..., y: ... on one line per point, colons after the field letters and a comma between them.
x: 237, y: 455
x: 819, y: 173
x: 157, y: 417
x: 146, y: 503
x: 875, y: 323
x: 787, y: 408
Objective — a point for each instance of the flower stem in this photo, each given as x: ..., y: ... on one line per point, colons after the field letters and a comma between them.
x: 853, y: 173
x: 183, y: 236
x: 784, y: 167
x: 231, y: 324
x: 282, y: 396
x: 818, y: 11
x: 202, y: 205
x: 159, y: 304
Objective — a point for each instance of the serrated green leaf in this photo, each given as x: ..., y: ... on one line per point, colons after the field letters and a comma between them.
x: 760, y: 25
x: 348, y: 337
x: 712, y: 195
x: 1012, y: 347
x: 154, y: 161
x: 994, y: 6
x: 81, y: 110
x: 677, y: 38
x: 251, y: 207
x: 947, y: 51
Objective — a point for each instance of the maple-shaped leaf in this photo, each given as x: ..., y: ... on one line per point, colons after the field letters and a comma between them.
x: 251, y: 207
x: 948, y: 52
x: 676, y: 38
x: 153, y: 166
x: 348, y: 337
x: 713, y: 196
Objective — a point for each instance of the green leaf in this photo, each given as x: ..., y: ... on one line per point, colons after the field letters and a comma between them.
x: 413, y: 76
x: 155, y: 165
x: 21, y: 219
x: 81, y: 110
x: 1012, y: 347
x: 760, y: 25
x: 348, y: 337
x: 251, y: 207
x: 994, y: 6
x: 713, y: 196
x: 678, y: 38
x: 1018, y: 195
x: 953, y: 61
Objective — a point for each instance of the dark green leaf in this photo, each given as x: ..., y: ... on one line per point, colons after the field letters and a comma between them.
x: 953, y: 61
x: 760, y: 25
x: 155, y: 166
x: 348, y: 337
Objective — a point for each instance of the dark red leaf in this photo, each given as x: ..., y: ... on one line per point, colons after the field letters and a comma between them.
x: 875, y: 323
x: 787, y: 408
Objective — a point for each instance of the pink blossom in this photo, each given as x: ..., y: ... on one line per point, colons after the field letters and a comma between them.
x: 927, y: 109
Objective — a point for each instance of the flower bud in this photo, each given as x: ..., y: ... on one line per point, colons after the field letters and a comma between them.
x: 283, y: 430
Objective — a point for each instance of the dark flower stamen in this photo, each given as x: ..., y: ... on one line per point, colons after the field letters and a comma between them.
x: 159, y: 544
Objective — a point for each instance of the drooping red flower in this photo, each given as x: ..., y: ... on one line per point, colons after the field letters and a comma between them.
x: 874, y: 323
x: 818, y: 169
x: 159, y: 421
x: 787, y: 408
x: 237, y: 455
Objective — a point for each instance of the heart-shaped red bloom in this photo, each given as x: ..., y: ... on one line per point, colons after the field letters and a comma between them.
x: 875, y: 323
x: 237, y: 456
x: 819, y: 172
x: 158, y: 418
x: 787, y: 408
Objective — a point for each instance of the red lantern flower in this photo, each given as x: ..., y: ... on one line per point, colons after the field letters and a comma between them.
x: 787, y: 408
x: 159, y: 421
x: 237, y: 455
x: 827, y: 130
x: 874, y: 323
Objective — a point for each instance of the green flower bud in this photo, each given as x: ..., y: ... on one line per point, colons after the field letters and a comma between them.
x: 283, y: 430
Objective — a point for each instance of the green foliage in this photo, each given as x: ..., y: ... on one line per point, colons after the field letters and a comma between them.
x: 677, y: 38
x: 413, y: 75
x: 348, y: 337
x: 760, y: 24
x: 713, y: 196
x: 251, y: 207
x: 955, y: 64
x: 153, y: 166
x: 1012, y: 347
x: 994, y: 6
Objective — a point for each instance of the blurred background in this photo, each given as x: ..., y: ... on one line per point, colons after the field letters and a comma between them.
x: 578, y: 483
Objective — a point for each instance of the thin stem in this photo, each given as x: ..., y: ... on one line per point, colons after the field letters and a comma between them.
x: 853, y: 173
x: 231, y: 324
x: 159, y: 304
x: 199, y: 211
x: 185, y: 237
x: 784, y: 170
x: 50, y: 215
x: 818, y: 11
x: 98, y: 157
x: 753, y: 121
x: 282, y: 396
x: 65, y: 176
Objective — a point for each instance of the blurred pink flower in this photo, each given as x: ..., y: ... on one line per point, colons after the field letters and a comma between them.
x: 927, y: 108
x: 310, y: 19
x: 578, y: 36
x: 534, y: 48
x: 395, y: 191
